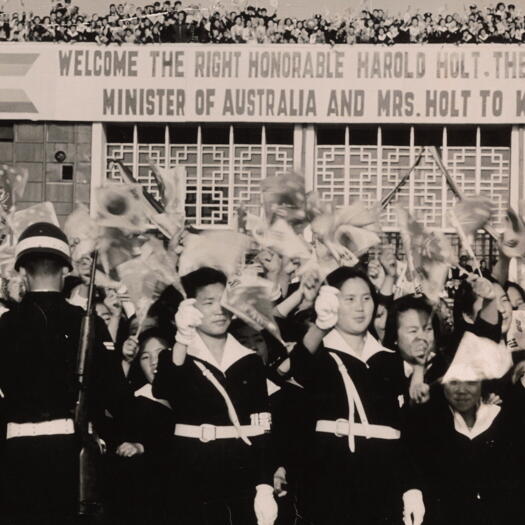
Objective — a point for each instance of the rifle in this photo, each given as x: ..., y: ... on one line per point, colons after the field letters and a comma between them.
x: 92, y: 445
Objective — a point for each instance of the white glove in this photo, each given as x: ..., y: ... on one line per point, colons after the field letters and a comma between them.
x: 326, y: 307
x: 413, y: 507
x: 187, y: 319
x: 264, y: 505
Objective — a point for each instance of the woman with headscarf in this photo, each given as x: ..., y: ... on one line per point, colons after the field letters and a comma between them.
x: 467, y: 454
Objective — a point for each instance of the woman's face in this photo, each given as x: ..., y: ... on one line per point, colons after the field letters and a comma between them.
x: 504, y: 307
x: 356, y: 307
x: 463, y: 396
x: 380, y: 321
x: 515, y: 298
x: 253, y: 340
x: 415, y: 336
x: 149, y: 357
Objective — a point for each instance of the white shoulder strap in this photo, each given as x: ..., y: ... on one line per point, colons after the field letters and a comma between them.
x: 229, y: 404
x: 354, y: 402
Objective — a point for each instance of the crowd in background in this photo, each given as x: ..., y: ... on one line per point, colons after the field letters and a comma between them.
x: 168, y: 21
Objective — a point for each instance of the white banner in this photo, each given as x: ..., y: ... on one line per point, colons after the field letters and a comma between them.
x: 265, y: 83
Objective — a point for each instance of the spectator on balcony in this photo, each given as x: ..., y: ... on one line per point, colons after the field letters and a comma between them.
x: 259, y: 30
x: 248, y: 32
x: 167, y: 32
x: 182, y: 31
x: 237, y: 30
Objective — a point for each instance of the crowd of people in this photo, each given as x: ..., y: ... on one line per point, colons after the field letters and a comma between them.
x: 168, y: 21
x: 360, y: 405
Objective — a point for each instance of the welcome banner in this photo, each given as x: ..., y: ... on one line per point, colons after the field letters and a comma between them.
x: 265, y: 83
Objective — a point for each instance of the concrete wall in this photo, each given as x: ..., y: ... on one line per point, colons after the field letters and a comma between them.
x: 34, y: 148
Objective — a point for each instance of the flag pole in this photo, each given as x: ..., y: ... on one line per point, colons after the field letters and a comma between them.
x: 455, y: 188
x: 386, y: 200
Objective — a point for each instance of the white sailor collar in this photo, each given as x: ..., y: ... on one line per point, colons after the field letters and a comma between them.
x: 334, y: 341
x: 147, y: 392
x: 233, y: 352
x: 485, y: 416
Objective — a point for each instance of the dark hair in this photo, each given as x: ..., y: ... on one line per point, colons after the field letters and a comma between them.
x: 194, y: 281
x: 150, y: 333
x: 136, y: 376
x: 339, y: 276
x: 163, y: 311
x: 402, y: 305
x: 42, y: 264
x: 517, y: 287
x: 464, y: 300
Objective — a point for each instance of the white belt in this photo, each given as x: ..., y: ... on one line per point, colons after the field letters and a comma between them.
x: 341, y: 428
x: 207, y: 432
x: 43, y: 428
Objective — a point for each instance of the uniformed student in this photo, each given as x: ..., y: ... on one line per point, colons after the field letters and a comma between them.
x: 137, y: 485
x: 355, y: 470
x: 39, y: 383
x: 221, y: 472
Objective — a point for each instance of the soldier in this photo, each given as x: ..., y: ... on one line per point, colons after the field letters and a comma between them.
x: 38, y: 379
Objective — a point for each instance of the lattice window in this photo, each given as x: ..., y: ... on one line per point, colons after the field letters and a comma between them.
x: 346, y: 172
x: 220, y: 177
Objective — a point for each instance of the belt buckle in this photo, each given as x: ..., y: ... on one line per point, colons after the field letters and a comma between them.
x: 208, y: 433
x: 338, y: 423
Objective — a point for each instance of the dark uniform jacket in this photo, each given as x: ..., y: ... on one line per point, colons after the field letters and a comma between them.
x: 221, y: 468
x: 38, y: 379
x: 341, y: 486
x: 39, y: 349
x: 474, y: 479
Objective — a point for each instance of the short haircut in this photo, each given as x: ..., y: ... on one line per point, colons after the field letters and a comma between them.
x: 339, y: 276
x: 42, y: 264
x: 194, y: 281
x: 402, y: 305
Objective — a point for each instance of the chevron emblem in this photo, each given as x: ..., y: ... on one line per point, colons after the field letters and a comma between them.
x: 15, y: 100
x: 16, y: 64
